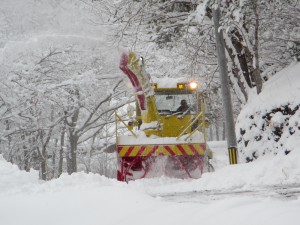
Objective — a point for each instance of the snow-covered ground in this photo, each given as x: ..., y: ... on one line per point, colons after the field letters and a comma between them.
x: 262, y: 192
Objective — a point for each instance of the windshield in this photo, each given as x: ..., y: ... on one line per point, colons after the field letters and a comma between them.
x: 169, y: 103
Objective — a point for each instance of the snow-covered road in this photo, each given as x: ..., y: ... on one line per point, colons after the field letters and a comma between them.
x: 279, y: 191
x: 265, y: 192
x: 282, y: 192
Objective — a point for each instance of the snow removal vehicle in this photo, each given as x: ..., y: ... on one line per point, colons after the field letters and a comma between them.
x: 165, y: 139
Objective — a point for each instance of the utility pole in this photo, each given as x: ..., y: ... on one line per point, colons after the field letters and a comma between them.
x: 227, y: 105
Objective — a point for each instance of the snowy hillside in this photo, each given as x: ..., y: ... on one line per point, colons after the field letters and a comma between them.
x: 263, y: 192
x: 269, y: 122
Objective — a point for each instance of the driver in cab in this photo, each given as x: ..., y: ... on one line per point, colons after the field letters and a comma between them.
x: 183, y: 107
x: 182, y: 110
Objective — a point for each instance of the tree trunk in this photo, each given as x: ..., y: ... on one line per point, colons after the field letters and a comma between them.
x: 43, y: 164
x: 224, y: 132
x: 73, y: 138
x: 43, y: 157
x: 210, y: 133
x: 61, y: 150
x: 217, y: 132
x: 54, y: 159
x: 43, y: 169
x: 256, y: 67
x: 68, y: 159
x: 237, y: 40
x: 43, y: 153
x: 235, y: 71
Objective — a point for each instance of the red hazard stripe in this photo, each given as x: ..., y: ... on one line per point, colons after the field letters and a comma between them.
x: 203, y: 146
x: 194, y: 149
x: 129, y: 151
x: 169, y: 150
x: 119, y: 148
x: 141, y: 150
x: 153, y: 150
x: 181, y: 149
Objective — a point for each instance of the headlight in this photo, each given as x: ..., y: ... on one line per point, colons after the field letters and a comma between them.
x: 193, y: 85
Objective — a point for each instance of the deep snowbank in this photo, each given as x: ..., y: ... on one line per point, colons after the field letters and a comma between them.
x: 269, y: 171
x: 92, y: 199
x: 269, y: 122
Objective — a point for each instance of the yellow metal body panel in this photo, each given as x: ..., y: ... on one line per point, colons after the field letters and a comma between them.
x: 173, y: 126
x: 156, y: 150
x: 151, y: 113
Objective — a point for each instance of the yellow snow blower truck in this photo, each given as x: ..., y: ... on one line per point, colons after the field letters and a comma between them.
x: 167, y: 134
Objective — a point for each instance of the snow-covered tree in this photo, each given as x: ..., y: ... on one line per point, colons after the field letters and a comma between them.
x: 62, y: 91
x: 59, y: 76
